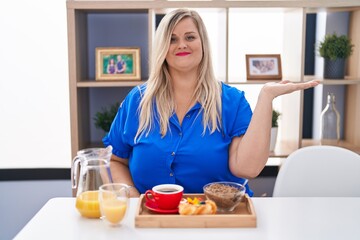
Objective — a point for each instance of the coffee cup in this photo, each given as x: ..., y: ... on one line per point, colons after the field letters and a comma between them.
x: 165, y: 196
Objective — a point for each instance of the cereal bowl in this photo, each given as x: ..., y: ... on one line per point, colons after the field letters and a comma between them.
x: 226, y: 195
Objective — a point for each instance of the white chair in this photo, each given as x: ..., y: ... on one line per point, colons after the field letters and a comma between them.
x: 319, y: 171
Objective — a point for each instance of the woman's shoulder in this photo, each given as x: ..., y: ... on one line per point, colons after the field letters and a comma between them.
x: 230, y: 93
x: 137, y: 92
x: 135, y: 95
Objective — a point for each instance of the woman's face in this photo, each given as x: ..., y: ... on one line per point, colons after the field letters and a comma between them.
x: 185, y: 50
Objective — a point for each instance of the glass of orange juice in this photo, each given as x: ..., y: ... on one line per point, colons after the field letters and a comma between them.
x: 113, y: 202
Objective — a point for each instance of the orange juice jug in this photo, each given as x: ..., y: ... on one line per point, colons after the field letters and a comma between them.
x: 90, y: 170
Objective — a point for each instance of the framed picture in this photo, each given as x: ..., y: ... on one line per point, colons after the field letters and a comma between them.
x: 117, y: 63
x: 263, y: 67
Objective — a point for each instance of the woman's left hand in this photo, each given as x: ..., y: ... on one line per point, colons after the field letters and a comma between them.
x: 275, y: 89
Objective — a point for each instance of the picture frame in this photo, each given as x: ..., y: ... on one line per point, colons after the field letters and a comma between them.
x: 263, y: 67
x: 117, y: 63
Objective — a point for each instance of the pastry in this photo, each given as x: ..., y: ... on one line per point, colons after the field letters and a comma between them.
x: 197, y: 206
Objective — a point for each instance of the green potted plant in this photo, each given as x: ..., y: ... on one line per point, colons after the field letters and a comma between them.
x: 274, y: 129
x: 275, y: 118
x: 335, y: 50
x: 104, y: 118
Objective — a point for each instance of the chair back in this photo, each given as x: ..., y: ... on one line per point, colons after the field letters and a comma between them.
x: 319, y: 171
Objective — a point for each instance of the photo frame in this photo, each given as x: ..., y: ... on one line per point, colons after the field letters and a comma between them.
x: 263, y: 67
x: 117, y: 63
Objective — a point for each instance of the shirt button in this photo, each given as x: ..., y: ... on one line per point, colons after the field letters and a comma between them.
x: 171, y: 174
x: 173, y: 154
x: 180, y: 133
x: 188, y: 115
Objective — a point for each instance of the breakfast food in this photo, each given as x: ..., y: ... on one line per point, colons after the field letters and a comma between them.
x: 196, y: 206
x: 226, y: 195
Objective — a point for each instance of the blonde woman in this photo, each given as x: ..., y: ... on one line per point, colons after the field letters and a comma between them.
x: 185, y: 127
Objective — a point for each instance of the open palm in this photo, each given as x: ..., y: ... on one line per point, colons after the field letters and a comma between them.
x: 275, y: 89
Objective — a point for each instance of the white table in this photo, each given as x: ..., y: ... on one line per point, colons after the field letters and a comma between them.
x: 277, y: 218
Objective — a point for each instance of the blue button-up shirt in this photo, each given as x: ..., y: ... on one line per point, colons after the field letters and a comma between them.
x: 185, y: 156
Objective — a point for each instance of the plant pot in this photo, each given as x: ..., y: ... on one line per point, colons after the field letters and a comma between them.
x: 273, y: 137
x: 334, y: 69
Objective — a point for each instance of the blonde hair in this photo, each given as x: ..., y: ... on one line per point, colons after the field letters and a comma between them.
x: 158, y: 91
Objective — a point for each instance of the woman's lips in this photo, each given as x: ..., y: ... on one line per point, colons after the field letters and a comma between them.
x: 182, y: 54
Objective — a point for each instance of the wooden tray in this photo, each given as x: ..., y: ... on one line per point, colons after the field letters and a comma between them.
x: 242, y: 216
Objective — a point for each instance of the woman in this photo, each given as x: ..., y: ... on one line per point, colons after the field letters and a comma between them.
x: 111, y: 67
x: 185, y: 127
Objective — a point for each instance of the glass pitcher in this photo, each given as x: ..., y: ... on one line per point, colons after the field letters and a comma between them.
x: 90, y: 170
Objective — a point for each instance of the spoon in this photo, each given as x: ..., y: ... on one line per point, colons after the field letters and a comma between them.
x: 239, y: 195
x: 245, y: 182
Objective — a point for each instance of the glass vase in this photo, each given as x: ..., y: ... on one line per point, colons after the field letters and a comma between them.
x: 330, y: 122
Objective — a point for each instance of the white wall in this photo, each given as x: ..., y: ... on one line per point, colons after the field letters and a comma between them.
x: 34, y: 91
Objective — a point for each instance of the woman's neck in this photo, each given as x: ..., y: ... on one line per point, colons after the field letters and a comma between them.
x: 184, y: 85
x: 184, y: 82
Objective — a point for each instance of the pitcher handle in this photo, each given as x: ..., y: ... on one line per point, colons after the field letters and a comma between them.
x: 108, y: 152
x: 74, y: 171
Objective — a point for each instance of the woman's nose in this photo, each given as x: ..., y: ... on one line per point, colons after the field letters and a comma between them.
x: 182, y: 44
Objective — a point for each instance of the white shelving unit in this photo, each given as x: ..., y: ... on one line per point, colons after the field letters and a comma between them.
x: 84, y: 18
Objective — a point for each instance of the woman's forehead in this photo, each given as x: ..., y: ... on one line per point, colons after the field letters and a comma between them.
x: 185, y: 25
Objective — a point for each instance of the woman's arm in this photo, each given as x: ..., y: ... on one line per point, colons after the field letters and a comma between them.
x: 248, y: 154
x: 120, y: 173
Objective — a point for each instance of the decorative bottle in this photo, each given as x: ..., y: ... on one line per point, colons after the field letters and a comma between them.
x: 330, y: 122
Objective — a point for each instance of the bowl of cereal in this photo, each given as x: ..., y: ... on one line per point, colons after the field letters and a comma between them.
x: 226, y: 195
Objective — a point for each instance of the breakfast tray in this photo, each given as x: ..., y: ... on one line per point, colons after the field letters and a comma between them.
x: 242, y: 216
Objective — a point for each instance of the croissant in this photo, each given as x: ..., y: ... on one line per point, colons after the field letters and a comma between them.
x: 196, y: 207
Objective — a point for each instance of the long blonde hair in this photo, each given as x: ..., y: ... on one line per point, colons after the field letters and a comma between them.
x: 158, y: 91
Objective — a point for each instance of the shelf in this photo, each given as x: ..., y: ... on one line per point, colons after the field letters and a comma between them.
x: 345, y: 81
x: 130, y: 83
x: 332, y: 9
x: 341, y: 143
x: 85, y: 84
x: 261, y: 82
x: 274, y: 162
x: 284, y: 149
x: 252, y: 82
x: 322, y: 4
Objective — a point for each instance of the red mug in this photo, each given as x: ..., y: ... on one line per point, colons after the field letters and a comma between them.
x: 165, y: 196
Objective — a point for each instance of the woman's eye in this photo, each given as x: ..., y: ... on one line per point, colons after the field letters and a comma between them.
x: 190, y: 38
x: 172, y: 40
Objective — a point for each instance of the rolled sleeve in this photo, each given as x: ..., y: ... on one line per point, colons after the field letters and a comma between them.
x: 124, y: 126
x: 237, y: 112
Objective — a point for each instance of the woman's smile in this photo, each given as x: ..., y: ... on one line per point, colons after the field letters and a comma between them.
x: 182, y: 54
